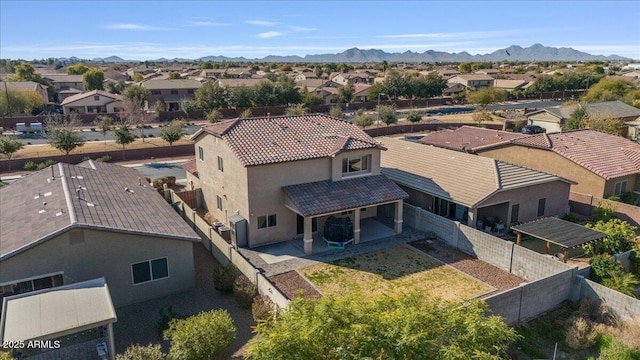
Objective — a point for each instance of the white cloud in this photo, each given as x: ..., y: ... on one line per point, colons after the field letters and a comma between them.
x: 269, y: 34
x: 455, y: 35
x: 140, y: 27
x: 301, y: 28
x: 207, y: 23
x: 261, y: 22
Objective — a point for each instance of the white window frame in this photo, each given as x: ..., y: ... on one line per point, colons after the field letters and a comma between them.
x: 220, y: 163
x: 200, y: 153
x: 150, y: 271
x: 364, y: 159
x: 620, y: 188
x: 219, y: 202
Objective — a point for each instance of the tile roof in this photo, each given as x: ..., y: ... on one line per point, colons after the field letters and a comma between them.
x: 617, y: 109
x: 80, y: 96
x: 102, y: 203
x: 469, y: 138
x: 608, y: 156
x: 275, y: 139
x: 455, y: 176
x: 191, y: 167
x: 63, y: 78
x: 322, y: 197
x: 155, y: 84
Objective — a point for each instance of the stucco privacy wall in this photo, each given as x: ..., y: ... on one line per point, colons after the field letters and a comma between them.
x: 624, y: 306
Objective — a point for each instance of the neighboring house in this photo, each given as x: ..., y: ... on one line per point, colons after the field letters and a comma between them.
x: 473, y: 81
x: 171, y: 92
x: 490, y: 72
x: 307, y: 75
x: 469, y: 139
x: 453, y: 89
x: 234, y: 83
x: 40, y: 89
x: 600, y: 164
x: 66, y: 82
x: 476, y: 190
x: 285, y: 175
x: 447, y: 73
x: 72, y: 223
x: 553, y: 118
x: 361, y: 92
x: 511, y: 85
x: 92, y: 102
x: 329, y: 95
x: 63, y: 94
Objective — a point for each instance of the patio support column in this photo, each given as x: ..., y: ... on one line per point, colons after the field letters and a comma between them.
x: 565, y: 255
x: 356, y: 226
x: 398, y: 217
x: 471, y: 215
x: 518, y: 238
x: 548, y: 246
x: 308, y: 236
x: 112, y: 342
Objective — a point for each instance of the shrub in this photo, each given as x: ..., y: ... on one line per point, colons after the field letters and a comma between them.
x: 165, y: 319
x: 629, y: 198
x: 105, y: 158
x: 29, y: 165
x: 223, y: 277
x: 201, y: 336
x: 262, y: 308
x: 603, y: 267
x: 44, y: 165
x: 571, y: 217
x: 86, y: 158
x: 169, y: 180
x: 244, y: 291
x: 604, y: 212
x: 580, y: 333
x: 139, y: 352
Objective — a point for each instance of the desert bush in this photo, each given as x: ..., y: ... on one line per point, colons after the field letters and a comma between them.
x: 262, y: 308
x: 224, y: 277
x: 29, y: 165
x: 580, y: 333
x: 244, y: 291
x: 165, y: 319
x: 105, y: 158
x: 139, y: 352
x: 201, y: 336
x: 169, y: 180
x: 44, y: 165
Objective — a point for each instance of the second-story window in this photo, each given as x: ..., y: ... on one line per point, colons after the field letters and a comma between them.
x: 190, y: 91
x: 200, y: 153
x: 354, y: 165
x: 174, y: 92
x: 220, y: 164
x: 155, y: 92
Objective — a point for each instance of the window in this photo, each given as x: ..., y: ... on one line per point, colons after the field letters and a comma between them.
x: 356, y: 165
x: 96, y: 98
x: 200, y: 153
x: 220, y: 164
x: 174, y: 91
x: 189, y: 91
x: 541, y: 204
x: 155, y: 92
x: 300, y: 224
x: 266, y: 221
x: 150, y: 270
x: 31, y: 285
x: 621, y: 188
x: 219, y: 202
x: 515, y: 210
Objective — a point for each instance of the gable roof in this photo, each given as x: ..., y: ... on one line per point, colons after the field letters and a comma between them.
x: 617, y: 109
x: 90, y: 195
x: 462, y: 178
x: 608, y: 156
x: 81, y: 96
x: 275, y: 139
x: 155, y: 84
x: 25, y: 85
x: 64, y: 78
x: 469, y: 138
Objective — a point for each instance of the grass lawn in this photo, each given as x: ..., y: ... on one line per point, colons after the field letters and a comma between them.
x: 393, y: 271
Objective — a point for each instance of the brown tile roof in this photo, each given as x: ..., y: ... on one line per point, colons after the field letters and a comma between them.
x: 156, y: 84
x: 191, y: 167
x: 101, y: 204
x: 275, y: 139
x: 608, y: 156
x: 91, y: 93
x: 328, y: 196
x: 469, y: 138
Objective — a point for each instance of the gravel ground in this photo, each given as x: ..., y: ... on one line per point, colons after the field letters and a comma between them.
x: 291, y: 283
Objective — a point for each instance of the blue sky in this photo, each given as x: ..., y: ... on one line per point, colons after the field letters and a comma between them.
x: 146, y: 30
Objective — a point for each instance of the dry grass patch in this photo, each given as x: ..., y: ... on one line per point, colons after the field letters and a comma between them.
x: 397, y: 270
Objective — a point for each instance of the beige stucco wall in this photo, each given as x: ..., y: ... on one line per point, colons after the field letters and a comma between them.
x: 610, y: 185
x: 556, y: 194
x: 548, y: 161
x: 545, y: 120
x: 109, y: 255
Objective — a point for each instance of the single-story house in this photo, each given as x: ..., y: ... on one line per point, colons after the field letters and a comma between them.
x: 473, y: 81
x: 72, y: 223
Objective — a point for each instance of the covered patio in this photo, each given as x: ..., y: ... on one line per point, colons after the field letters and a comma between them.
x: 560, y: 232
x: 343, y: 198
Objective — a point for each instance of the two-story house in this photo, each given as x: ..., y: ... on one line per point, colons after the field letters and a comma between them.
x: 92, y: 102
x: 171, y: 92
x: 66, y: 85
x: 286, y: 174
x: 474, y: 81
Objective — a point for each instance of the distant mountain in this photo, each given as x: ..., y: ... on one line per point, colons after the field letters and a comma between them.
x: 535, y: 52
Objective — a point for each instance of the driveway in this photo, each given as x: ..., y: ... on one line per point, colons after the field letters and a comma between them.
x: 137, y: 323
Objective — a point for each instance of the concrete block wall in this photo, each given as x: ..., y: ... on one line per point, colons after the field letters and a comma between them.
x: 426, y: 221
x: 625, y: 307
x: 485, y: 247
x: 506, y: 304
x: 532, y: 266
x: 545, y: 294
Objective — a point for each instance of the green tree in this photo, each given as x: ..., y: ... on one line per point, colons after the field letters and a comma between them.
x: 625, y: 283
x: 310, y: 98
x: 9, y: 146
x: 575, y: 120
x: 206, y: 65
x: 603, y: 122
x: 201, y: 336
x: 387, y: 114
x: 214, y: 116
x: 104, y: 124
x: 464, y: 67
x: 486, y: 96
x: 404, y: 327
x: 77, y: 69
x: 241, y: 96
x: 609, y: 89
x: 620, y: 237
x: 139, y: 352
x: 123, y: 136
x: 346, y: 92
x: 173, y: 132
x: 298, y: 109
x: 188, y: 106
x: 137, y: 77
x: 93, y: 79
x: 414, y: 116
x: 14, y: 100
x: 24, y: 72
x: 246, y: 114
x: 363, y: 119
x: 336, y: 112
x: 481, y: 117
x: 212, y: 96
x: 174, y: 75
x: 61, y: 133
x: 134, y: 100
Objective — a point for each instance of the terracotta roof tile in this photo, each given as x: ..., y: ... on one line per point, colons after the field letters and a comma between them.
x: 469, y: 138
x: 268, y: 140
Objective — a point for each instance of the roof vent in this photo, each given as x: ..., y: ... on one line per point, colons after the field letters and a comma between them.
x: 128, y: 190
x: 44, y: 207
x: 53, y: 175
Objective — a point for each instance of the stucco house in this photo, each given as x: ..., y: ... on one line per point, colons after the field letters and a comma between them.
x: 469, y: 139
x: 473, y: 81
x: 92, y: 102
x: 66, y: 85
x: 286, y: 174
x: 40, y: 89
x: 472, y: 189
x: 171, y: 92
x: 600, y: 164
x: 71, y: 223
x: 553, y: 118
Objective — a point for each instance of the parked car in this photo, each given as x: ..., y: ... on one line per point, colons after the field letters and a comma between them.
x: 532, y: 129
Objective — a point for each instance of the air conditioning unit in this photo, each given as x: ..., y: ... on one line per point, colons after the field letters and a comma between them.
x: 238, y: 226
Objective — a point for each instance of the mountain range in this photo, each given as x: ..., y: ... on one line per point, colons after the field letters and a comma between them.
x: 535, y: 52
